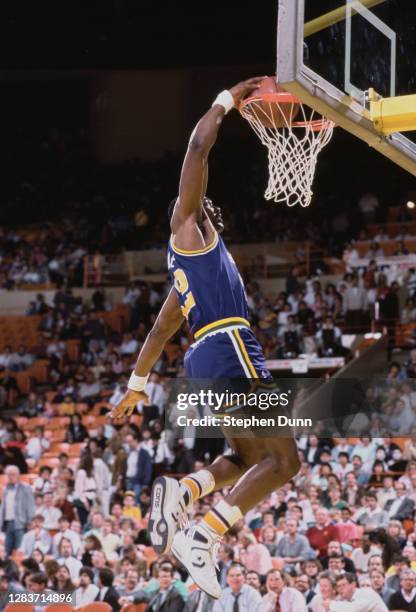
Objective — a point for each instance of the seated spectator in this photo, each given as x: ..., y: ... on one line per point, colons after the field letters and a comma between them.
x: 253, y: 554
x: 372, y: 516
x: 349, y: 594
x: 36, y: 538
x: 405, y: 598
x: 6, y: 358
x: 408, y: 312
x: 107, y: 592
x: 132, y: 589
x: 64, y: 531
x: 374, y: 251
x: 335, y: 549
x: 50, y: 513
x: 280, y: 596
x: 402, y: 507
x: 329, y: 339
x: 327, y: 593
x: 292, y: 547
x: 22, y: 359
x: 322, y: 532
x: 87, y: 591
x: 378, y: 584
x: 238, y: 592
x: 253, y: 580
x: 363, y: 553
x: 399, y: 564
x: 129, y: 345
x: 110, y: 541
x: 225, y: 560
x: 66, y: 557
x: 63, y: 582
x: 76, y: 431
x: 37, y: 444
x: 91, y: 544
x: 268, y: 538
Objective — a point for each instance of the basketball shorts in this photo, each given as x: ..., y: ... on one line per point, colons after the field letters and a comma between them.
x: 226, y: 352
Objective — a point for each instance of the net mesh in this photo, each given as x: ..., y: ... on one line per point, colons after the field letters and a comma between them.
x: 292, y: 149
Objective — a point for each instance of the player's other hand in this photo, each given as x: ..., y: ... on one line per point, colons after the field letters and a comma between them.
x: 244, y: 89
x: 128, y: 403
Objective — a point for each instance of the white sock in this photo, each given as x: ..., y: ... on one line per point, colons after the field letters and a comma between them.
x: 220, y: 518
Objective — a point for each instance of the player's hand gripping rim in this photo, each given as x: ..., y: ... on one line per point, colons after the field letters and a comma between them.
x: 244, y: 89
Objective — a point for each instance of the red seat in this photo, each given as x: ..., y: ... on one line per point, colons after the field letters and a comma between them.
x: 96, y: 606
x: 19, y: 608
x: 62, y: 607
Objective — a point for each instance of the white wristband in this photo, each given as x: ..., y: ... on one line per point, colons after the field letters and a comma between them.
x: 225, y: 99
x: 137, y: 383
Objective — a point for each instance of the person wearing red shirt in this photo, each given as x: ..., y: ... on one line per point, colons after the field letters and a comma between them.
x: 322, y: 532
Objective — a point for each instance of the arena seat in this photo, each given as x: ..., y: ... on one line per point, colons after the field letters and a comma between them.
x: 62, y: 607
x: 388, y: 246
x: 48, y: 460
x: 19, y: 608
x: 72, y: 349
x: 96, y: 411
x: 57, y: 436
x: 96, y: 606
x: 141, y: 607
x: 404, y: 334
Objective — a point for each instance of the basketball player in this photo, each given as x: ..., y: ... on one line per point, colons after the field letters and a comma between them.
x: 208, y: 292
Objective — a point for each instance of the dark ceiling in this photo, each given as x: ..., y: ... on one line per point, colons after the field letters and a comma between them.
x: 135, y: 33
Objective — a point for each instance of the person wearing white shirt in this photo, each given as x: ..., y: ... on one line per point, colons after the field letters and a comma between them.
x: 353, y: 599
x: 102, y: 476
x: 280, y: 597
x: 238, y: 593
x: 155, y: 392
x: 36, y: 537
x: 67, y: 558
x: 343, y: 466
x: 129, y: 345
x: 68, y: 534
x: 49, y: 512
x: 372, y: 516
x: 110, y: 541
x: 6, y: 358
x: 366, y: 450
x: 87, y: 590
x: 37, y: 444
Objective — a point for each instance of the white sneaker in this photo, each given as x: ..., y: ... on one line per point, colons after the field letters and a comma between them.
x: 166, y: 511
x: 196, y: 549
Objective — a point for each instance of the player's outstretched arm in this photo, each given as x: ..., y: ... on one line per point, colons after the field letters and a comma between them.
x: 168, y: 322
x: 194, y: 173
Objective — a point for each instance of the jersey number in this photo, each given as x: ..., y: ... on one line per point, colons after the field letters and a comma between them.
x: 182, y: 286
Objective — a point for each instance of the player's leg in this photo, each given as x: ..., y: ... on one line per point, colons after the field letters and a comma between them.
x: 273, y: 463
x: 172, y: 500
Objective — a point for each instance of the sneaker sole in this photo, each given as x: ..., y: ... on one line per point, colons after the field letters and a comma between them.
x: 179, y: 558
x: 160, y: 534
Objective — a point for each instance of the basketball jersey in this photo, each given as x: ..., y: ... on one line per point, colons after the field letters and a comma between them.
x: 208, y: 284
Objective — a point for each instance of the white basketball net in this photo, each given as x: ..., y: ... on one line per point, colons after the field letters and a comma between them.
x: 292, y: 150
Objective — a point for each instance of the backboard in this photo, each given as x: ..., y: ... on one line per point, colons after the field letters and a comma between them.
x: 330, y: 53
